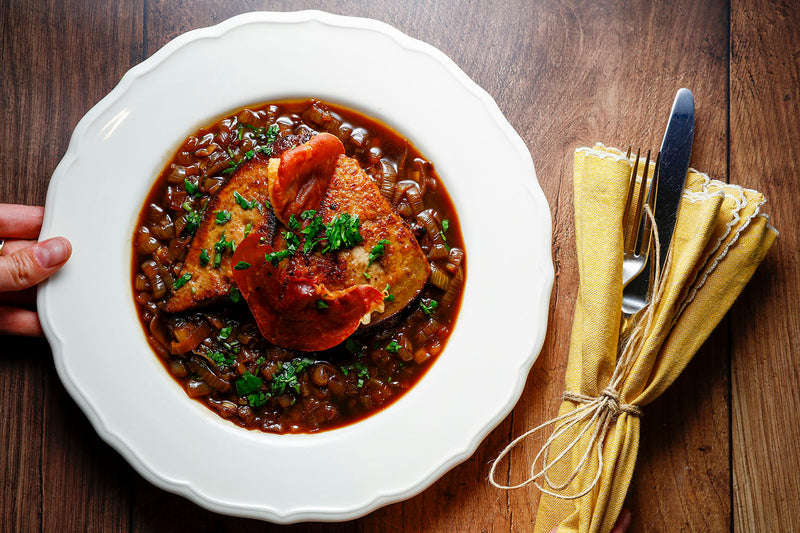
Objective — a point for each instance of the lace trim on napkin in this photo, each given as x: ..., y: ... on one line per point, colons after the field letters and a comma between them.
x: 718, y: 253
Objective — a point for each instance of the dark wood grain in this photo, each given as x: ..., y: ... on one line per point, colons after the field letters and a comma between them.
x: 565, y: 74
x: 765, y: 107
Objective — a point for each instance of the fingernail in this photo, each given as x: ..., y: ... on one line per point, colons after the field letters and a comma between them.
x: 52, y: 252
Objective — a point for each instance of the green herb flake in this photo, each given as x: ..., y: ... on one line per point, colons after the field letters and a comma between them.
x: 223, y: 217
x: 276, y: 257
x: 257, y: 399
x: 393, y: 347
x: 204, y: 257
x: 428, y: 309
x: 308, y: 214
x: 193, y: 220
x: 235, y: 295
x: 243, y: 203
x: 342, y: 232
x: 377, y: 251
x: 248, y: 384
x: 322, y: 305
x: 241, y: 265
x: 219, y: 248
x: 191, y: 188
x: 294, y: 224
x: 247, y: 229
x: 225, y: 332
x: 181, y: 281
x: 287, y: 376
x: 221, y: 359
x: 387, y: 296
x: 445, y: 225
x: 360, y: 370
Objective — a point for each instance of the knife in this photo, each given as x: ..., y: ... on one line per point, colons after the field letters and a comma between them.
x: 676, y: 148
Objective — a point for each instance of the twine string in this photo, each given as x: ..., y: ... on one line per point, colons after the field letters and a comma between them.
x: 598, y: 412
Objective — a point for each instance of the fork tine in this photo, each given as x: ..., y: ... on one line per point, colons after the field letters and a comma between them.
x: 652, y: 198
x: 638, y: 236
x: 628, y: 200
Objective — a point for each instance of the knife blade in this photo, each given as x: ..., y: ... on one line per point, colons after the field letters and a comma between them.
x: 673, y: 164
x: 676, y: 149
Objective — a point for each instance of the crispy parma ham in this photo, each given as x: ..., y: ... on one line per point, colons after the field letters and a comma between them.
x: 292, y: 305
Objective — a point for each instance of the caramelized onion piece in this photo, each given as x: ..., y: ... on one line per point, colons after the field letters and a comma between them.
x: 453, y: 288
x: 207, y: 375
x: 189, y: 342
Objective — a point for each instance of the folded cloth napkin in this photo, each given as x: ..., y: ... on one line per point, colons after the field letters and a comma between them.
x: 720, y: 238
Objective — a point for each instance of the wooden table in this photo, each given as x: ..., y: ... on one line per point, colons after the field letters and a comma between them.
x: 719, y: 450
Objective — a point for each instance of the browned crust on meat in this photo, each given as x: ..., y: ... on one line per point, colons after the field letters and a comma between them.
x: 207, y: 282
x: 403, y: 267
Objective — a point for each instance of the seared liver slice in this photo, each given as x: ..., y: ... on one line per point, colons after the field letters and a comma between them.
x: 403, y: 267
x: 209, y: 283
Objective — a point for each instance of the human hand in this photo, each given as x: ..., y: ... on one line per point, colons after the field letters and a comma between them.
x: 621, y: 526
x: 23, y: 264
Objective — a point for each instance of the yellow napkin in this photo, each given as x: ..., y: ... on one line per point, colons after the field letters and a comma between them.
x: 720, y: 238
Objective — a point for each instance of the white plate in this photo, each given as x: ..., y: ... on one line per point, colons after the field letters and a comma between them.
x: 122, y: 144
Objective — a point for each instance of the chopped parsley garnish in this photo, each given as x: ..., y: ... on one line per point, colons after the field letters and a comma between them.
x: 377, y: 251
x: 181, y: 281
x: 312, y: 230
x: 223, y: 217
x: 445, y: 225
x: 248, y: 228
x: 220, y: 247
x: 243, y: 203
x: 294, y: 224
x: 248, y: 384
x: 257, y: 399
x: 322, y: 305
x: 393, y: 347
x: 222, y: 359
x: 192, y: 188
x: 225, y: 332
x: 342, y: 232
x: 204, y: 257
x: 241, y: 265
x: 387, y: 296
x: 193, y: 220
x: 277, y: 257
x: 235, y: 295
x: 428, y: 309
x: 287, y: 377
x: 361, y: 371
x: 292, y: 242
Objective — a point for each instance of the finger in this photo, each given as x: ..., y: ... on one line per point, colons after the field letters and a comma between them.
x: 17, y: 321
x: 20, y: 221
x: 623, y: 522
x: 29, y: 266
x: 14, y: 245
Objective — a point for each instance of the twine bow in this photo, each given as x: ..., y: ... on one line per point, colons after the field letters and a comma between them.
x: 599, y: 412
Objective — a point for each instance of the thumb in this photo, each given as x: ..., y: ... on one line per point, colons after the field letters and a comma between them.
x: 29, y: 266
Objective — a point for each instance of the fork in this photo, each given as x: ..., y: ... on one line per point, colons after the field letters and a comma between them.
x: 637, y: 241
x: 636, y: 227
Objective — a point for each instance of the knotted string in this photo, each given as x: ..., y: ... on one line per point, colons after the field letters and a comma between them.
x: 598, y: 412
